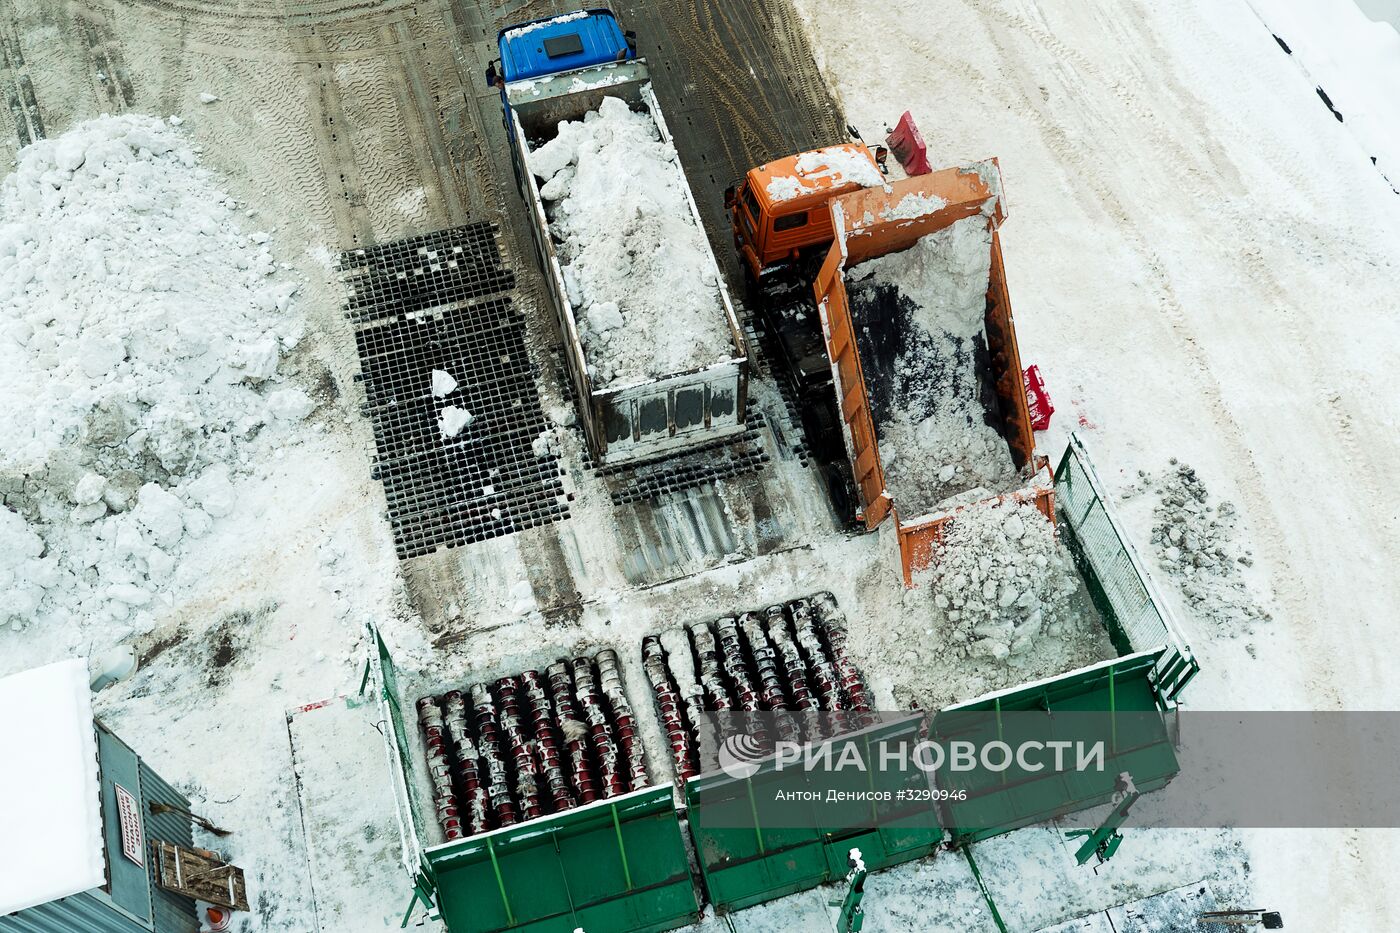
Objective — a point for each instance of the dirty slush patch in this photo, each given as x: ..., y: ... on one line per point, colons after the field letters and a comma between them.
x: 1195, y: 540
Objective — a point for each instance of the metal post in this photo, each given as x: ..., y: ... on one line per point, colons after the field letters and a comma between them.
x: 753, y: 809
x: 986, y: 895
x: 500, y: 882
x: 1113, y: 708
x: 621, y: 848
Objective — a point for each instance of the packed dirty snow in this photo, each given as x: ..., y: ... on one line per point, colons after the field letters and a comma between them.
x: 638, y: 270
x: 1001, y: 604
x: 140, y: 337
x: 1001, y: 580
x: 935, y: 439
x: 1195, y: 539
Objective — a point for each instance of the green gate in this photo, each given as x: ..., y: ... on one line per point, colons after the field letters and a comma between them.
x: 1137, y: 616
x: 618, y: 864
x: 745, y: 862
x: 1114, y: 703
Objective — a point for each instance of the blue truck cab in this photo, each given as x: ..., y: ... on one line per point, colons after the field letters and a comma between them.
x: 557, y: 44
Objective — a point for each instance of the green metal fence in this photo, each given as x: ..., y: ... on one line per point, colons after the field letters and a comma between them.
x: 613, y: 865
x: 1138, y: 618
x: 1114, y: 702
x: 745, y: 862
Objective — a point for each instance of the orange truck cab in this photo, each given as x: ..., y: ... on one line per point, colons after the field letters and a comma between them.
x: 779, y: 211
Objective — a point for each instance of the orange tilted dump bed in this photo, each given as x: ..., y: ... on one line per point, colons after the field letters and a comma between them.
x: 877, y: 222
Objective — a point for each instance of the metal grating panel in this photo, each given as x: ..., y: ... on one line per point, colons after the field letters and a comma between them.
x: 405, y: 276
x: 449, y: 314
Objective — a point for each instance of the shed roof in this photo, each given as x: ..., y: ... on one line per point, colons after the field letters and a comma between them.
x: 50, y: 795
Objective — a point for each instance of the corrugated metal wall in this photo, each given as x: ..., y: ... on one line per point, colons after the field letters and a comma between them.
x: 173, y: 913
x: 92, y: 912
x: 81, y: 913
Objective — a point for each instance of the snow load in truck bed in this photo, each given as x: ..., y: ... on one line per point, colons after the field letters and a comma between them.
x: 638, y: 269
x: 919, y: 316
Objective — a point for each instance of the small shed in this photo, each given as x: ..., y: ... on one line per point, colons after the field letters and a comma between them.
x: 78, y: 835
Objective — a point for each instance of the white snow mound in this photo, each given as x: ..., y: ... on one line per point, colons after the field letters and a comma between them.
x: 638, y: 269
x: 140, y: 336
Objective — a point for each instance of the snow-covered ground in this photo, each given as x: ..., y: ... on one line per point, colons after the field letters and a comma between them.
x: 168, y: 488
x: 1354, y: 60
x: 1203, y: 262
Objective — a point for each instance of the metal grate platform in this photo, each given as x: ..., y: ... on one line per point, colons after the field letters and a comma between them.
x: 487, y: 481
x: 405, y: 276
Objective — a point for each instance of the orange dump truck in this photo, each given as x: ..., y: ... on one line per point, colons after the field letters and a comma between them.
x: 922, y: 371
x: 863, y: 337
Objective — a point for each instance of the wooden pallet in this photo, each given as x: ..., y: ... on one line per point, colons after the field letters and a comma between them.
x: 199, y: 874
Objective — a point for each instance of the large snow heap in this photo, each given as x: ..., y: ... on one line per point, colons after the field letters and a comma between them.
x: 140, y: 333
x: 637, y: 267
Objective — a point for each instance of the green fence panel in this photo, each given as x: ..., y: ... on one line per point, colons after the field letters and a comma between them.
x: 1135, y: 737
x: 745, y: 862
x: 619, y: 865
x: 1137, y: 617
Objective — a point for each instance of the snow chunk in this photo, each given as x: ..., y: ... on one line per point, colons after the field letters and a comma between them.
x: 290, y: 404
x: 52, y: 846
x: 453, y: 420
x: 207, y: 98
x: 89, y: 489
x: 443, y: 384
x: 544, y: 443
x: 159, y: 512
x: 213, y: 491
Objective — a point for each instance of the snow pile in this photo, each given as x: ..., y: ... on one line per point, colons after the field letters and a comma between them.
x: 934, y: 440
x: 1001, y: 580
x: 1195, y: 543
x: 638, y: 270
x: 140, y: 335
